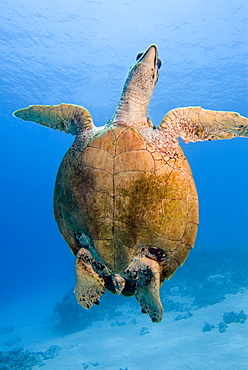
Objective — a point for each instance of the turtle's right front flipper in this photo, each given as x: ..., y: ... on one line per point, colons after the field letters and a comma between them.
x: 64, y: 117
x: 197, y: 124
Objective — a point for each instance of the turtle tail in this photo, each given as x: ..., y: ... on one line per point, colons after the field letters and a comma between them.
x: 64, y: 117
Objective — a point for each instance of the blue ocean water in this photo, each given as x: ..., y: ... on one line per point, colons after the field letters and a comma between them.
x: 79, y: 52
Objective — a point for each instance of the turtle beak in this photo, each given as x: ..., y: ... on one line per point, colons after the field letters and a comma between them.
x: 150, y: 56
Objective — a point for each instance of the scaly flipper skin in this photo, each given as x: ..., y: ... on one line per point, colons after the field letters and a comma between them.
x: 64, y: 117
x: 89, y: 285
x: 197, y: 124
x: 147, y: 274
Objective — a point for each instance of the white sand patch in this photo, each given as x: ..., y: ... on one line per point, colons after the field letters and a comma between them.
x: 168, y: 345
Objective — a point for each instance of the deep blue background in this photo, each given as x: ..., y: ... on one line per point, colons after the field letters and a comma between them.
x: 79, y: 52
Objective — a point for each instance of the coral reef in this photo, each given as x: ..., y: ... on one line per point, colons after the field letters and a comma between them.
x: 71, y: 317
x: 174, y: 306
x: 207, y: 327
x: 20, y: 359
x: 183, y: 317
x: 228, y: 318
x: 118, y: 323
x: 232, y: 317
x: 86, y: 365
x: 222, y: 327
x: 206, y: 278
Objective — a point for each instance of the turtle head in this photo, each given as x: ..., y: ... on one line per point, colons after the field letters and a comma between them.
x: 138, y: 89
x: 143, y: 74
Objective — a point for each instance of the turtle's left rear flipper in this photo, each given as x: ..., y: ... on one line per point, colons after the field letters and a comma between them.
x: 89, y: 285
x: 197, y: 124
x: 64, y: 117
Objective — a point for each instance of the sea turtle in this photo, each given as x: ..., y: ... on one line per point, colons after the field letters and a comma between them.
x: 125, y: 199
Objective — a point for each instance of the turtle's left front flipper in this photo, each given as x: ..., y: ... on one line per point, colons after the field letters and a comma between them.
x: 64, y: 117
x: 197, y: 124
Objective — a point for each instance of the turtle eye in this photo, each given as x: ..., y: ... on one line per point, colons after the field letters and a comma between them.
x: 159, y: 63
x: 139, y: 55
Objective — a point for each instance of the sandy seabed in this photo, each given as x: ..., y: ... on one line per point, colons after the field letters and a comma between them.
x: 133, y: 342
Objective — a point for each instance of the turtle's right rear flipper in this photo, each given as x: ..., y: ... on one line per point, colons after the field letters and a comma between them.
x: 146, y: 273
x: 89, y: 285
x: 64, y: 117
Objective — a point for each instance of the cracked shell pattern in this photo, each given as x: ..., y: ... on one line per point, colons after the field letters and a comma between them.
x: 124, y: 193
